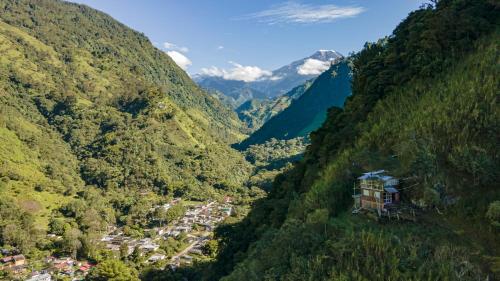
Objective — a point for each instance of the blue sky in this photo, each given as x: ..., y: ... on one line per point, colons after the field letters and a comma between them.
x: 231, y: 34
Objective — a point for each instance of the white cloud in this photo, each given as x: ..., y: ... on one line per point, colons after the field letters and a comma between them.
x: 173, y: 47
x: 220, y: 47
x: 313, y: 67
x: 181, y: 60
x: 292, y: 12
x: 238, y: 72
x: 213, y: 71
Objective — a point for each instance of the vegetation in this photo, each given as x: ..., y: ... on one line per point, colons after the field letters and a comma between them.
x: 308, y: 112
x: 112, y: 270
x: 424, y: 107
x: 256, y: 112
x: 272, y: 158
x: 96, y: 126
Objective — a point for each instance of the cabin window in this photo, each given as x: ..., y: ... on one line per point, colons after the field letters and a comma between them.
x: 388, y: 198
x: 377, y: 194
x: 366, y: 192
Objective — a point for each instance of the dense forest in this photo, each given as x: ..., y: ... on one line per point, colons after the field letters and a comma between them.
x: 256, y: 112
x: 424, y: 106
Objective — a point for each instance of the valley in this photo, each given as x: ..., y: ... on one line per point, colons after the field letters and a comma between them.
x: 125, y: 159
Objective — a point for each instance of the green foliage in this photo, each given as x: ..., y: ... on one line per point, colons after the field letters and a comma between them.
x: 272, y: 158
x: 57, y: 226
x: 256, y: 112
x: 175, y: 212
x: 424, y: 106
x: 71, y: 241
x: 210, y: 248
x: 112, y: 270
x: 493, y: 213
x: 17, y: 228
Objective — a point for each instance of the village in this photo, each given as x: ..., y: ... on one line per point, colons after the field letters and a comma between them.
x: 191, y: 232
x: 196, y: 225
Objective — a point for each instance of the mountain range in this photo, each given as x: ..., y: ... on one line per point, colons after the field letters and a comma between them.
x: 281, y: 81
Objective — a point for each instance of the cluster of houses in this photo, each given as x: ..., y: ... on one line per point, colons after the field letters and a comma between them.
x: 206, y: 216
x: 115, y: 241
x: 196, y: 224
x: 54, y: 267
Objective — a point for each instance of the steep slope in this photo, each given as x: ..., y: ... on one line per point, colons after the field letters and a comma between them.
x: 425, y: 107
x: 280, y: 81
x: 256, y: 112
x: 87, y: 101
x: 308, y: 112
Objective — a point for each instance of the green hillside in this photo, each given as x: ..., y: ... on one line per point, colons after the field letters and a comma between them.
x: 92, y: 112
x: 424, y: 107
x: 256, y: 112
x: 308, y: 112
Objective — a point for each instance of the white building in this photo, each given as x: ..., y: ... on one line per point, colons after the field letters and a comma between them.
x: 40, y: 277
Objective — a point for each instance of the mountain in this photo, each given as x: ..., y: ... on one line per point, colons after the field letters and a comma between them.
x: 424, y: 107
x: 290, y: 76
x: 282, y: 80
x: 233, y: 92
x: 256, y: 112
x: 308, y: 112
x: 93, y: 114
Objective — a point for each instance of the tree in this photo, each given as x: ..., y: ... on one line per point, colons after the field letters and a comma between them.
x: 71, y: 241
x: 161, y: 215
x: 136, y: 256
x: 112, y: 270
x: 124, y: 250
x: 175, y: 212
x: 91, y: 221
x: 493, y: 213
x: 15, y: 235
x: 56, y: 226
x: 210, y: 249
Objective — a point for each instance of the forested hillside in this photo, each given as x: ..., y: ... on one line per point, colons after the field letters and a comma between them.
x: 256, y: 112
x: 92, y: 115
x: 308, y: 112
x: 424, y: 106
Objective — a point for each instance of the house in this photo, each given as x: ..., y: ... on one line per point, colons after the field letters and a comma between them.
x: 156, y: 257
x: 12, y: 261
x: 378, y: 191
x: 40, y: 277
x: 226, y: 210
x: 84, y: 268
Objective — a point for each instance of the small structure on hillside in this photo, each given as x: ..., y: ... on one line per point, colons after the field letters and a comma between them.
x: 12, y: 261
x: 377, y: 191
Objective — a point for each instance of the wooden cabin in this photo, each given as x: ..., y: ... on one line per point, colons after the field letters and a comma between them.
x: 377, y: 191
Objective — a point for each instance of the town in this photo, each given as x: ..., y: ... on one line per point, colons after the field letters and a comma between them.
x: 178, y: 243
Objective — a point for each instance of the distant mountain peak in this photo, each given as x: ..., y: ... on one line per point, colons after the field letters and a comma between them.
x: 326, y: 55
x: 280, y: 82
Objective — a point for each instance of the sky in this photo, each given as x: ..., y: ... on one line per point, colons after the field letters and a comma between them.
x: 254, y: 37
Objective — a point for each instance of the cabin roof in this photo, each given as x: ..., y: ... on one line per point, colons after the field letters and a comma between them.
x: 391, y: 190
x: 376, y: 175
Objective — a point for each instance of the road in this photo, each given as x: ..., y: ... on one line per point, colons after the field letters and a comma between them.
x: 185, y: 251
